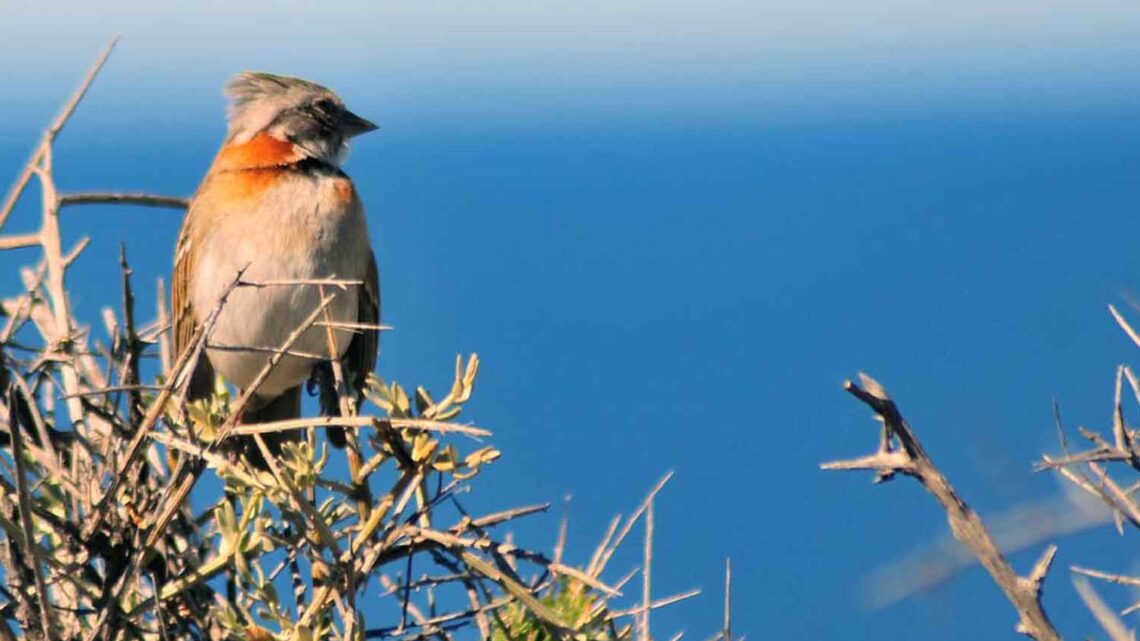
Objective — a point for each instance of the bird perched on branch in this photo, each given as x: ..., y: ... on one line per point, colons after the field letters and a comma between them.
x: 276, y: 203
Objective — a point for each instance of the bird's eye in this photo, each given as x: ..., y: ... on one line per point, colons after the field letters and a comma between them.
x: 324, y: 105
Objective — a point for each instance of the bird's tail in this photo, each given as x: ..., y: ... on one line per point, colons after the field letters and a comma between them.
x: 285, y: 407
x: 323, y: 383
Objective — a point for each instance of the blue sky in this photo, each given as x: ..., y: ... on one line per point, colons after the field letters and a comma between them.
x: 671, y: 229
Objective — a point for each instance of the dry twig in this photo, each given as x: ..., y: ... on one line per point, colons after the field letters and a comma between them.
x: 901, y: 453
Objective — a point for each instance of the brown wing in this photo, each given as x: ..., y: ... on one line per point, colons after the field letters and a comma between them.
x: 183, y: 318
x: 360, y: 357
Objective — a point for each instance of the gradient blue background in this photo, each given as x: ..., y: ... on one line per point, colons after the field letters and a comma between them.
x: 671, y: 229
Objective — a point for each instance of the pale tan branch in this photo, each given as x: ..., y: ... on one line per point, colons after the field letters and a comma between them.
x: 185, y: 362
x: 293, y: 282
x: 360, y: 421
x: 118, y: 198
x: 51, y: 133
x: 1112, y: 625
x: 646, y: 575
x: 728, y: 600
x: 599, y: 562
x: 660, y: 603
x: 1119, y: 318
x: 24, y: 500
x: 21, y: 241
x: 1119, y: 579
x: 1024, y: 593
x: 882, y: 462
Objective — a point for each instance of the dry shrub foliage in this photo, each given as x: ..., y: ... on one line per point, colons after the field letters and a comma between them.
x: 99, y: 537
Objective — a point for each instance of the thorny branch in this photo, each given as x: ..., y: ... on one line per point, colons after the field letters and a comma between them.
x: 900, y: 452
x: 1092, y: 469
x: 1112, y: 451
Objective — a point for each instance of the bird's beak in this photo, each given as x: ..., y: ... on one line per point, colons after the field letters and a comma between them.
x: 354, y: 125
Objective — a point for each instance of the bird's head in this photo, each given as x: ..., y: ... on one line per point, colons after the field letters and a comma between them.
x: 304, y: 113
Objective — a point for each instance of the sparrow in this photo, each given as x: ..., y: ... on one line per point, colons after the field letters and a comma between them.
x: 276, y: 203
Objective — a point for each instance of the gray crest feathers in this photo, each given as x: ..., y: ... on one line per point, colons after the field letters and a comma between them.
x: 256, y: 98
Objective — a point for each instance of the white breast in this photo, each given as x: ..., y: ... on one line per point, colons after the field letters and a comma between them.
x: 289, y: 237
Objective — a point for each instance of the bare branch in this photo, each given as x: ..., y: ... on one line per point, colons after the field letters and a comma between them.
x: 1119, y: 579
x: 185, y: 361
x: 967, y: 527
x: 599, y: 564
x: 31, y: 548
x: 115, y: 198
x: 646, y: 572
x: 359, y: 421
x: 1112, y: 625
x: 728, y: 600
x: 21, y: 241
x: 51, y: 133
x: 660, y: 603
x: 1124, y: 325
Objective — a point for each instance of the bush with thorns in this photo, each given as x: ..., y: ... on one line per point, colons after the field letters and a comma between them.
x: 126, y: 514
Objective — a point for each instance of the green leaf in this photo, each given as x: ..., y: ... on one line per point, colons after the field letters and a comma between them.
x: 424, y: 404
x: 400, y: 400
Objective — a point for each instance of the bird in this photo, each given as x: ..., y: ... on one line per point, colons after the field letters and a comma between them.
x: 276, y: 204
